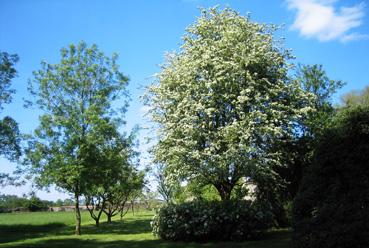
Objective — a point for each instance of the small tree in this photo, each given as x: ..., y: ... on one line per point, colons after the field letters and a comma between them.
x: 77, y: 98
x: 112, y: 159
x: 119, y: 193
x: 95, y: 201
x: 221, y: 101
x: 112, y: 183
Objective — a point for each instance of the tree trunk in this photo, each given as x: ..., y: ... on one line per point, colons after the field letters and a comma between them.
x: 109, y: 218
x: 78, y: 215
x: 224, y: 191
x: 97, y: 222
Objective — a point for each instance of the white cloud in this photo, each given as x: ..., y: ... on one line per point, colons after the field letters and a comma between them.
x: 321, y: 20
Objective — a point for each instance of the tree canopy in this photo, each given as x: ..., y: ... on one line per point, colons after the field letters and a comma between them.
x: 7, y: 73
x: 9, y: 132
x: 77, y: 98
x: 222, y: 99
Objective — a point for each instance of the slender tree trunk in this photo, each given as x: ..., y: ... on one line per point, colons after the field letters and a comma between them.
x: 122, y: 212
x: 109, y: 218
x: 78, y: 215
x: 92, y: 214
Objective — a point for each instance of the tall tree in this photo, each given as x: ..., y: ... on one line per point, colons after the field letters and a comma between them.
x: 77, y: 97
x: 314, y: 79
x: 222, y: 99
x: 297, y: 150
x: 9, y: 131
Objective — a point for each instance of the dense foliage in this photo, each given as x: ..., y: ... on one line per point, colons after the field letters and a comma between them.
x: 9, y: 131
x: 115, y: 180
x: 10, y: 203
x: 7, y: 73
x: 79, y: 118
x: 221, y: 100
x: 331, y: 208
x: 213, y: 220
x: 296, y: 151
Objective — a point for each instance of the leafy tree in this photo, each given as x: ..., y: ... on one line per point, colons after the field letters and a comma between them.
x: 114, y: 181
x: 10, y: 202
x: 314, y: 79
x: 9, y: 131
x: 9, y: 138
x: 59, y: 203
x: 297, y: 150
x: 122, y: 191
x: 36, y: 204
x: 77, y: 98
x: 222, y: 99
x: 356, y: 98
x: 7, y: 73
x: 331, y: 208
x: 33, y: 203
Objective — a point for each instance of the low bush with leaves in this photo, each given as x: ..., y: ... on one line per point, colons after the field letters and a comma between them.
x: 212, y: 220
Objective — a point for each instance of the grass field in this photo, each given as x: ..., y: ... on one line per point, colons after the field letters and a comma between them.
x: 48, y: 229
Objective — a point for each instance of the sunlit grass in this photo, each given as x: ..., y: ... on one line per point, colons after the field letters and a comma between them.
x: 55, y: 229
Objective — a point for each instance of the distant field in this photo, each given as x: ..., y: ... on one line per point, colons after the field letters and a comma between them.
x: 55, y: 229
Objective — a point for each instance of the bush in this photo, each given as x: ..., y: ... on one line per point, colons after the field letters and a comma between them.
x: 214, y: 220
x: 36, y: 204
x: 332, y: 206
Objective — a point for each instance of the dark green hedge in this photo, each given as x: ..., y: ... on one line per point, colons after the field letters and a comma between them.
x: 206, y: 221
x: 331, y: 209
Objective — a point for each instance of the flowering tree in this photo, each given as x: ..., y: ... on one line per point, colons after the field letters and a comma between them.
x: 221, y: 100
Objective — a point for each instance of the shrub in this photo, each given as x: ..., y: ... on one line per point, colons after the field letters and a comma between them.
x: 36, y: 204
x: 214, y: 220
x: 332, y: 206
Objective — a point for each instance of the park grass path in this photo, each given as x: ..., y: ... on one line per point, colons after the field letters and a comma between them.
x: 50, y: 230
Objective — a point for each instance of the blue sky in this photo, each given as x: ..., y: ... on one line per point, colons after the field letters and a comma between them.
x: 328, y: 32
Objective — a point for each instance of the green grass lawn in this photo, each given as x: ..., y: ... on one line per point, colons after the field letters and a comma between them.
x: 48, y: 229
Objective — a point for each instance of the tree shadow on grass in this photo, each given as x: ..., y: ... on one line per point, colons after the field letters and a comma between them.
x: 11, y: 233
x: 274, y: 239
x: 119, y: 227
